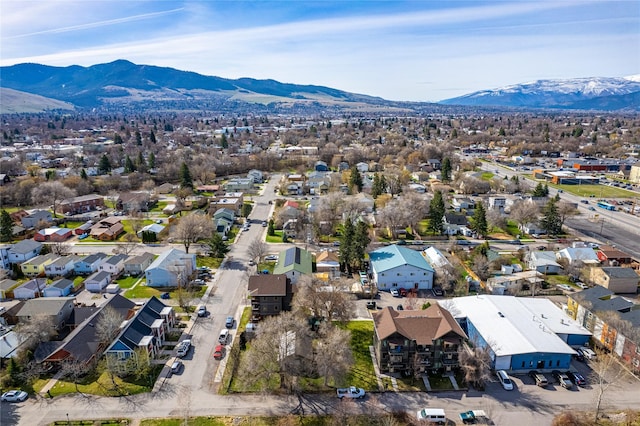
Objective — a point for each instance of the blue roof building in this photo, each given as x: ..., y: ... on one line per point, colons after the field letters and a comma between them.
x: 395, y: 267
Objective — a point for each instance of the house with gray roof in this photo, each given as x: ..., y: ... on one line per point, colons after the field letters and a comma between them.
x: 97, y: 282
x: 60, y: 288
x: 114, y: 264
x: 136, y: 265
x: 24, y: 250
x: 543, y: 261
x: 616, y: 278
x: 6, y: 286
x: 61, y: 267
x: 30, y: 289
x: 35, y: 218
x: 396, y: 267
x: 170, y: 269
x: 146, y: 331
x: 57, y: 309
x: 83, y: 344
x: 89, y: 264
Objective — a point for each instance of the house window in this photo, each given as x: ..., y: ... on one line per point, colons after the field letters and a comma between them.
x: 549, y: 363
x: 411, y: 274
x: 557, y: 363
x: 522, y: 364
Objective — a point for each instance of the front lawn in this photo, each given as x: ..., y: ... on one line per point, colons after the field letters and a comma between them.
x: 210, y: 262
x: 159, y: 206
x: 101, y: 384
x: 362, y: 373
x: 487, y: 176
x: 276, y: 238
x: 141, y: 292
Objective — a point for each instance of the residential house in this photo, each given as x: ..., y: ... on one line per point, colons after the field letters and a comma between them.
x: 578, y: 255
x: 23, y: 251
x: 61, y: 267
x: 4, y: 179
x: 54, y: 235
x: 416, y: 341
x: 616, y: 278
x: 231, y: 203
x: 532, y: 229
x: 396, y: 267
x: 256, y: 175
x: 328, y: 265
x: 30, y: 289
x: 34, y: 267
x: 57, y: 309
x: 136, y: 265
x: 37, y: 218
x: 270, y: 294
x: 85, y: 228
x: 114, y: 265
x: 84, y: 344
x: 97, y: 281
x: 223, y: 220
x: 82, y: 204
x: 60, y: 288
x: 171, y: 269
x: 288, y: 212
x: 513, y: 282
x: 134, y: 202
x: 4, y: 256
x: 611, y: 256
x: 365, y: 202
x: 239, y: 184
x: 294, y: 262
x: 290, y: 228
x: 497, y: 203
x: 612, y: 319
x: 436, y: 259
x: 321, y: 166
x: 154, y: 228
x: 543, y: 261
x: 142, y: 336
x: 362, y: 167
x: 107, y: 229
x: 455, y: 224
x: 89, y: 264
x: 6, y: 287
x: 462, y: 203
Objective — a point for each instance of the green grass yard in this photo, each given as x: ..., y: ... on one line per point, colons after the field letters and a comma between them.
x: 362, y: 373
x: 142, y: 292
x: 127, y: 282
x: 598, y: 191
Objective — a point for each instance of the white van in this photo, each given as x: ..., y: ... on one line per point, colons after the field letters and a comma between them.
x: 505, y: 381
x: 432, y: 415
x: 224, y: 336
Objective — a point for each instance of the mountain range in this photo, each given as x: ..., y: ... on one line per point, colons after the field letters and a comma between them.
x: 122, y: 85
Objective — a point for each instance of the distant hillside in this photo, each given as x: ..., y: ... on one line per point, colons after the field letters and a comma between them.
x: 602, y: 94
x: 122, y: 83
x: 14, y: 101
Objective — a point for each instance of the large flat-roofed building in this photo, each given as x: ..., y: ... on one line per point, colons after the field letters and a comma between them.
x: 523, y: 334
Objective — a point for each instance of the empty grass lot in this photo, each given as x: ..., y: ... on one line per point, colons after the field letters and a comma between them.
x: 141, y: 292
x: 599, y: 191
x: 362, y: 373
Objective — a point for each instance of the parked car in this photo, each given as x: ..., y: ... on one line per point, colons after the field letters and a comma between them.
x: 229, y: 322
x: 264, y: 223
x: 15, y: 395
x: 176, y: 366
x: 504, y: 379
x: 586, y: 352
x: 577, y: 378
x: 432, y: 415
x: 579, y: 357
x: 183, y: 348
x: 399, y: 308
x: 165, y: 296
x: 202, y: 311
x: 219, y: 352
x: 474, y: 416
x: 565, y: 287
x: 271, y: 257
x: 224, y: 336
x: 538, y: 378
x: 198, y: 281
x: 403, y: 292
x: 350, y: 392
x: 395, y: 293
x: 562, y: 379
x: 437, y: 291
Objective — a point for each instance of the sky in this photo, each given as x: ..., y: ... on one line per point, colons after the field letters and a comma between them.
x: 417, y: 50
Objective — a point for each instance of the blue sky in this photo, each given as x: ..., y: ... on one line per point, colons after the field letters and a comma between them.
x: 400, y: 50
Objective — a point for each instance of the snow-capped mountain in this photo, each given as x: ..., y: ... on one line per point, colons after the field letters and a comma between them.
x: 596, y: 93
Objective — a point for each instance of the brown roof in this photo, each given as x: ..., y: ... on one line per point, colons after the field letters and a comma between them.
x: 268, y: 285
x: 613, y: 253
x: 423, y: 326
x: 327, y: 255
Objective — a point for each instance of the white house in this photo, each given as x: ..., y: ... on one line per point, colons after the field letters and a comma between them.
x: 62, y: 266
x: 97, y: 282
x: 395, y: 267
x: 543, y: 262
x: 585, y: 255
x: 31, y: 289
x: 23, y: 251
x: 170, y: 269
x: 114, y: 264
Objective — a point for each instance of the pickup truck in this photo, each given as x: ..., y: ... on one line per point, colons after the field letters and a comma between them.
x: 473, y: 416
x: 350, y: 392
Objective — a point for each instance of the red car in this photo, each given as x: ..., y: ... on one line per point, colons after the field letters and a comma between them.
x: 219, y: 352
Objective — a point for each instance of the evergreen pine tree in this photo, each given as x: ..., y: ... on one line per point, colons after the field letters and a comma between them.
x: 151, y: 162
x: 436, y: 213
x: 185, y: 177
x: 152, y: 137
x: 128, y: 165
x: 105, y: 165
x: 551, y: 221
x: 83, y: 174
x: 479, y: 221
x: 6, y: 227
x: 355, y: 179
x: 446, y: 170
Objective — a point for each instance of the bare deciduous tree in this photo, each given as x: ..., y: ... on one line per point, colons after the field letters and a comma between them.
x: 51, y: 193
x: 37, y: 329
x: 606, y: 373
x: 108, y: 325
x: 73, y: 370
x: 475, y: 364
x: 333, y: 357
x: 314, y: 298
x: 257, y: 249
x: 192, y: 228
x: 61, y: 249
x: 566, y: 210
x: 524, y: 212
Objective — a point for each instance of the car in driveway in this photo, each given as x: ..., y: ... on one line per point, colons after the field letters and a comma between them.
x: 577, y: 378
x: 395, y: 293
x: 565, y: 287
x: 15, y: 395
x: 562, y: 379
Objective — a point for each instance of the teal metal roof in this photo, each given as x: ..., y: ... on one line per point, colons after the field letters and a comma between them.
x: 389, y: 257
